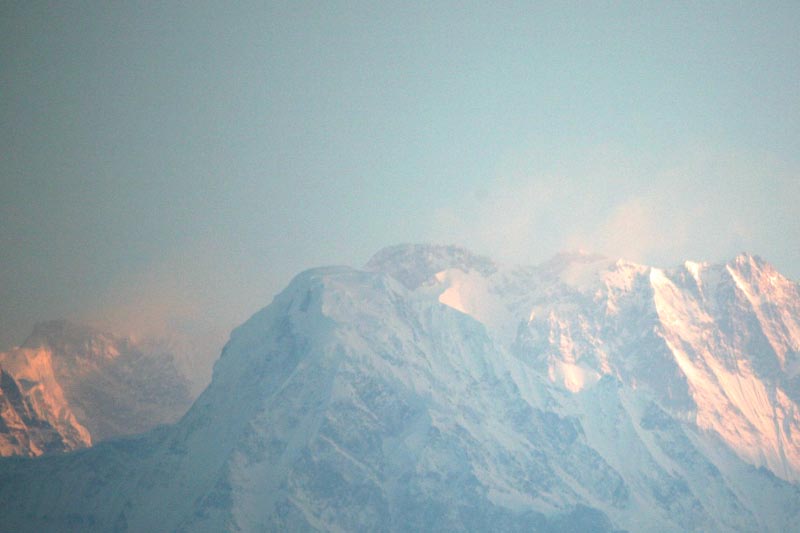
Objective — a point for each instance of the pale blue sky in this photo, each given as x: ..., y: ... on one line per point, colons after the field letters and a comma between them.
x: 179, y: 163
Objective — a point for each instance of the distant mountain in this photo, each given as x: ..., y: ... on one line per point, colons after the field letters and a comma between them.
x: 26, y: 430
x: 89, y: 386
x: 436, y: 390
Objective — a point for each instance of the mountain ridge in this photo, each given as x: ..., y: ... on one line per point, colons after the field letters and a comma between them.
x: 357, y: 400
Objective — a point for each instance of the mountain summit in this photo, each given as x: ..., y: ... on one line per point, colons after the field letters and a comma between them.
x: 438, y: 390
x: 413, y: 264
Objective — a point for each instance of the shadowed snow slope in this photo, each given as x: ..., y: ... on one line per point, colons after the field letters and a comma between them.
x: 436, y: 390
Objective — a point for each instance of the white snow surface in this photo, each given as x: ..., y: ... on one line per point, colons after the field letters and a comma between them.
x: 438, y: 390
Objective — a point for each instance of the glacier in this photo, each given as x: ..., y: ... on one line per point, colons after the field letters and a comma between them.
x: 435, y: 389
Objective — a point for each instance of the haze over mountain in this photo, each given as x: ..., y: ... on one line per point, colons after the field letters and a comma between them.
x: 69, y: 386
x: 169, y: 167
x: 437, y: 390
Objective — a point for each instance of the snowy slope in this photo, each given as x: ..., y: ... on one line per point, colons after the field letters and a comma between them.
x: 437, y: 390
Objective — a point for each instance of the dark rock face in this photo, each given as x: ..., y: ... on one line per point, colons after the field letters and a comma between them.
x: 22, y: 431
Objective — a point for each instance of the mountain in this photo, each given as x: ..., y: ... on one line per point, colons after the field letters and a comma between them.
x: 23, y: 429
x: 90, y: 386
x: 437, y: 390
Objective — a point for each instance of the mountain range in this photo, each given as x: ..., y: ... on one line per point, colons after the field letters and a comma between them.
x: 69, y: 386
x: 435, y: 389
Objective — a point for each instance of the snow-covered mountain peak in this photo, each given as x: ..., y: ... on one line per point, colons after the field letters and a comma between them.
x: 333, y: 292
x: 697, y: 271
x: 761, y: 277
x: 437, y: 390
x: 414, y: 264
x: 748, y: 260
x: 24, y: 427
x: 692, y: 335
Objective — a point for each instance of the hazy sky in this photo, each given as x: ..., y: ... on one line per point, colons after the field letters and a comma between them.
x: 172, y: 166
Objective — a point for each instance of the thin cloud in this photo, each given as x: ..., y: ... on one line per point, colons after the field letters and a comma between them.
x: 703, y: 204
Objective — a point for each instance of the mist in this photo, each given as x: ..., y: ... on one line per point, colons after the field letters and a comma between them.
x: 168, y: 169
